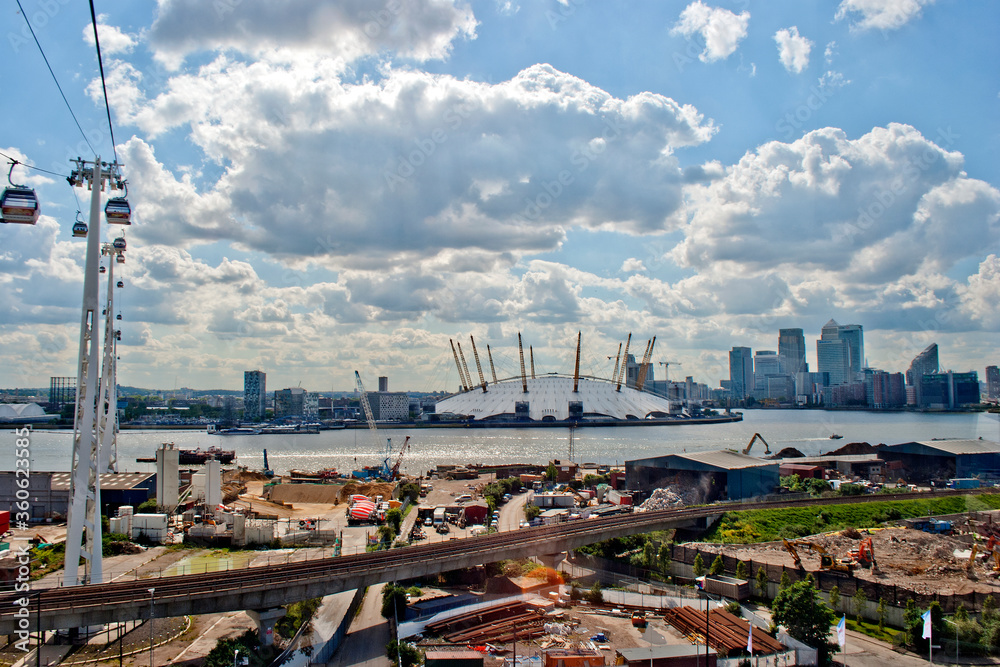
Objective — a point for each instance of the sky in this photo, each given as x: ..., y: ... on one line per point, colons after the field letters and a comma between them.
x: 322, y: 186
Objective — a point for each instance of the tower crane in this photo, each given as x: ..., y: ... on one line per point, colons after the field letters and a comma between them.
x: 666, y: 369
x: 371, y: 471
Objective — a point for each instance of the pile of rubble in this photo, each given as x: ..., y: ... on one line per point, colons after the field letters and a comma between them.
x: 662, y: 499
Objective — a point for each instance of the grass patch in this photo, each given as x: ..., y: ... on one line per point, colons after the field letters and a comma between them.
x: 871, y: 629
x: 768, y: 525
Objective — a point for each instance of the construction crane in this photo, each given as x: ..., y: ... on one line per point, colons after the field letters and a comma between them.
x: 755, y: 438
x: 644, y: 368
x: 394, y: 470
x: 372, y: 471
x: 666, y: 369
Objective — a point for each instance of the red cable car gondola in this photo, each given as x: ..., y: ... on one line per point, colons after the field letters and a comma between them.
x: 120, y: 258
x: 19, y: 203
x: 118, y: 212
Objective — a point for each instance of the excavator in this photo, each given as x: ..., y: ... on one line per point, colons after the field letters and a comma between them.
x: 864, y: 555
x: 755, y: 438
x: 826, y: 561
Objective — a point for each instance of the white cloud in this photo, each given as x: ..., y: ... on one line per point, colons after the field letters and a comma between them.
x: 633, y: 265
x: 872, y: 218
x: 880, y: 14
x: 793, y: 49
x: 829, y: 52
x: 721, y: 29
x: 981, y: 296
x: 342, y: 30
x: 526, y: 159
x: 113, y: 39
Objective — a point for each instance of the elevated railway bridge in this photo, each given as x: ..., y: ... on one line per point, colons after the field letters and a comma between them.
x: 266, y: 588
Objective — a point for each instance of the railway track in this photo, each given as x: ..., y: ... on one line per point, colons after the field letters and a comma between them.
x: 383, y: 564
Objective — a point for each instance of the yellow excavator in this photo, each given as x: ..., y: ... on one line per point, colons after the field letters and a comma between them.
x: 755, y: 438
x: 826, y: 561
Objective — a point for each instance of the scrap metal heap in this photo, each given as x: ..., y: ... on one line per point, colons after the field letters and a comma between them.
x: 726, y: 633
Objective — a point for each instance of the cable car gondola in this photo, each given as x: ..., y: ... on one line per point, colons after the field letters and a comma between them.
x: 119, y: 316
x: 79, y: 227
x: 120, y: 258
x: 103, y: 269
x: 19, y: 203
x: 119, y: 243
x: 118, y: 212
x: 121, y: 284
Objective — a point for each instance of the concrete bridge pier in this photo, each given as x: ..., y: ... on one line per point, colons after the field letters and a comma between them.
x: 551, y: 560
x: 265, y: 620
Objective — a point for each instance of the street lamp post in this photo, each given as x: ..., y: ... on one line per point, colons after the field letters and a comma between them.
x: 151, y: 591
x: 235, y: 653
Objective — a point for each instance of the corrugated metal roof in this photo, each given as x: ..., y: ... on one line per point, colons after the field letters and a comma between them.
x: 727, y: 459
x: 109, y: 481
x: 956, y: 447
x: 550, y: 395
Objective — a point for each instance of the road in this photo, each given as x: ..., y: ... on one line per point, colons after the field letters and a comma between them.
x: 365, y: 643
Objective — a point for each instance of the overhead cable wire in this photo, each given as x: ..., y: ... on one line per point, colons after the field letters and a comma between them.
x: 104, y: 86
x: 31, y: 166
x: 45, y: 58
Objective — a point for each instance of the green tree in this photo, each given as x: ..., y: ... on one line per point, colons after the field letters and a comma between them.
x: 718, y: 566
x: 394, y: 518
x: 393, y: 600
x: 403, y: 653
x: 883, y: 614
x: 762, y: 582
x: 859, y: 601
x: 785, y: 581
x: 649, y: 555
x: 912, y: 623
x: 741, y: 570
x: 699, y: 565
x: 596, y: 596
x: 961, y: 614
x: 799, y: 608
x: 531, y: 511
x: 665, y: 552
x: 989, y: 609
x: 834, y: 598
x: 551, y: 472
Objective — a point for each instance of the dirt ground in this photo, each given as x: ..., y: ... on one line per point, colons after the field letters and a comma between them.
x: 912, y: 559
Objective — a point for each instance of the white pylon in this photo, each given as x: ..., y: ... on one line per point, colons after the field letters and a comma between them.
x: 108, y: 403
x: 83, y: 530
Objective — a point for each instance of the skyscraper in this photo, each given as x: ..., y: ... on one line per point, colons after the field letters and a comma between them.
x: 993, y: 383
x: 924, y: 363
x: 740, y: 371
x: 840, y: 351
x: 792, y: 350
x: 254, y: 395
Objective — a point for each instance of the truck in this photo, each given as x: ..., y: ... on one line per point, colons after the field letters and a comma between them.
x: 439, y: 518
x: 963, y: 483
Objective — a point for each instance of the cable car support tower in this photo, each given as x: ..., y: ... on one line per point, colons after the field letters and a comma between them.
x: 83, y: 534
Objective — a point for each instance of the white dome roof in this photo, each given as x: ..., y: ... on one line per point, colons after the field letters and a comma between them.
x: 549, y: 398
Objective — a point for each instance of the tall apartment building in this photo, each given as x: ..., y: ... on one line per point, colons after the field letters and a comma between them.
x: 993, y: 383
x: 948, y: 390
x: 840, y: 351
x: 740, y: 372
x: 254, y: 395
x: 792, y: 350
x: 290, y: 402
x: 389, y: 405
x: 924, y: 363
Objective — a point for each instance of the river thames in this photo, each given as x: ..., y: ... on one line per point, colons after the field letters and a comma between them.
x: 807, y: 430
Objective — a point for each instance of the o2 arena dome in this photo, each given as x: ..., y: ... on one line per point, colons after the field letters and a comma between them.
x: 552, y: 397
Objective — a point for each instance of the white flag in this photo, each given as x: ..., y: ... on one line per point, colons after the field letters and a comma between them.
x: 842, y: 630
x: 927, y: 624
x: 750, y: 640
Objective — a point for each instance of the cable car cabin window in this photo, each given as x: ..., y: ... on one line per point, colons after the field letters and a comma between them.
x: 19, y: 205
x: 118, y: 211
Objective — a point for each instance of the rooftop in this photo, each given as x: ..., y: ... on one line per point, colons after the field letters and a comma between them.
x: 109, y: 481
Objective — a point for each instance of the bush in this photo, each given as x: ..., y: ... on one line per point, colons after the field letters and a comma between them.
x: 403, y: 653
x: 718, y: 566
x: 699, y: 565
x: 595, y: 596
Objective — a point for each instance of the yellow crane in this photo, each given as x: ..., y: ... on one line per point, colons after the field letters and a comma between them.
x: 755, y: 438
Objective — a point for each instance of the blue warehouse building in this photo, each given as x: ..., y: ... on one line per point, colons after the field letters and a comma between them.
x: 718, y: 475
x: 927, y: 460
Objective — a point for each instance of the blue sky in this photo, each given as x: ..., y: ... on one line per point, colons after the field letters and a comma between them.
x: 325, y: 186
